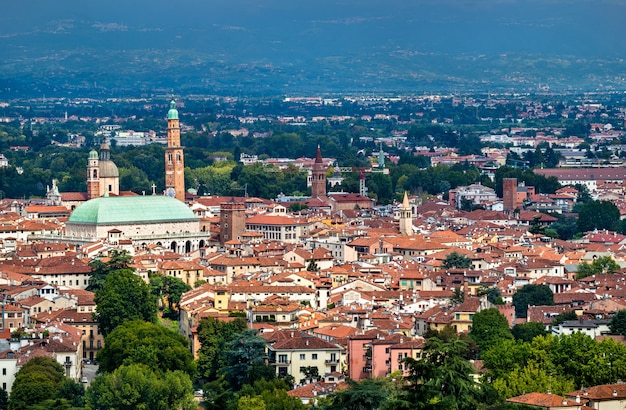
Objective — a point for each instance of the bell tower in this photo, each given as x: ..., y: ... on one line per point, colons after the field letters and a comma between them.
x: 174, y: 159
x: 318, y: 174
x: 406, y: 217
x: 93, y: 175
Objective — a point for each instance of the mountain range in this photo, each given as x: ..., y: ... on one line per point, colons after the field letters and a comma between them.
x: 71, y: 47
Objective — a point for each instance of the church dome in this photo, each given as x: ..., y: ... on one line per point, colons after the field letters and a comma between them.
x: 131, y: 209
x: 108, y: 169
x: 93, y: 154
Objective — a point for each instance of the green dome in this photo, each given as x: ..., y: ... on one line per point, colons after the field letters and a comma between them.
x: 93, y: 154
x: 172, y: 114
x: 131, y: 209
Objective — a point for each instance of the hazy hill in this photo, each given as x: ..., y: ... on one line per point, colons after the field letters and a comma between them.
x: 311, y: 46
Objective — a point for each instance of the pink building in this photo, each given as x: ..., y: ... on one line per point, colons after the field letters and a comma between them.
x: 381, y: 354
x: 360, y: 355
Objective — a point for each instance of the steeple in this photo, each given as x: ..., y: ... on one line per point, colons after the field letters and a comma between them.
x: 406, y: 217
x: 318, y: 176
x: 318, y: 156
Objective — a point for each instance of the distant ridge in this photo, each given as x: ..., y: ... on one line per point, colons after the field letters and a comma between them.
x: 280, y: 46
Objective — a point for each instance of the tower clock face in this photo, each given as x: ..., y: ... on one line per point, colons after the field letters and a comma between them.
x: 171, y: 192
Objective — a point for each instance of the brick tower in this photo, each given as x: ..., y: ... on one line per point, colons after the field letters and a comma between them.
x: 509, y: 194
x: 232, y: 220
x: 318, y: 174
x: 174, y: 158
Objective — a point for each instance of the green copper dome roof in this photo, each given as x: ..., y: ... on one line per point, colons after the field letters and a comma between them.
x: 93, y: 154
x: 131, y: 209
x: 172, y: 114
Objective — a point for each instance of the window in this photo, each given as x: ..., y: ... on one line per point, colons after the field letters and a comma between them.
x: 314, y: 356
x: 302, y: 356
x: 4, y: 371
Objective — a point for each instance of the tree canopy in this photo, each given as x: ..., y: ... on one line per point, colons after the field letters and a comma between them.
x: 531, y: 294
x: 153, y: 345
x: 601, y: 265
x: 598, y: 215
x: 489, y: 326
x: 618, y: 323
x: 561, y: 363
x: 245, y: 360
x: 40, y: 379
x: 442, y: 378
x: 137, y: 387
x: 527, y: 331
x: 123, y: 297
x: 214, y: 335
x: 100, y: 269
x: 456, y: 260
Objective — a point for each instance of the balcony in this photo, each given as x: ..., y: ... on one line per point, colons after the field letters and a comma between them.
x: 331, y: 361
x: 279, y: 362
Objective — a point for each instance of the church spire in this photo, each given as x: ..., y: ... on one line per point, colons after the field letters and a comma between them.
x: 318, y: 176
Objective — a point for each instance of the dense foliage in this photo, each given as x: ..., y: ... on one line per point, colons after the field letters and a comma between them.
x: 489, y: 326
x: 149, y: 344
x: 123, y: 297
x: 41, y: 383
x: 559, y: 363
x: 532, y: 295
x: 137, y: 387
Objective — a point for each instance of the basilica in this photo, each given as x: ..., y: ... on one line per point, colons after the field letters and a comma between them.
x: 163, y: 220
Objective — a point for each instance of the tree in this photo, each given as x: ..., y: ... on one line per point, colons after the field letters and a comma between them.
x: 123, y: 297
x: 73, y: 392
x: 488, y: 327
x: 170, y: 287
x: 458, y: 296
x: 245, y: 360
x: 458, y: 261
x: 618, y: 323
x: 601, y: 265
x: 99, y: 269
x: 564, y: 316
x: 139, y: 342
x: 312, y: 266
x: 566, y: 227
x: 311, y: 373
x: 137, y: 387
x: 532, y: 378
x: 273, y: 394
x: 558, y: 361
x: 214, y: 335
x: 598, y: 215
x: 531, y: 295
x: 494, y: 295
x: 4, y: 399
x: 526, y: 332
x: 442, y: 378
x: 251, y: 403
x: 363, y: 395
x: 39, y: 379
